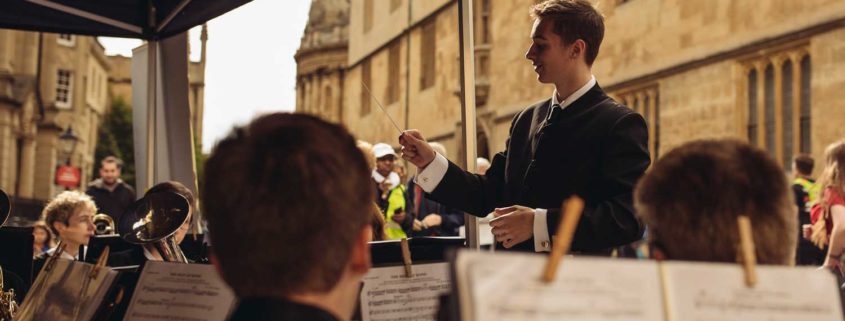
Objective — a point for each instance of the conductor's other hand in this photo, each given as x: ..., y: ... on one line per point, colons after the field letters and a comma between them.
x: 515, y: 227
x: 415, y: 148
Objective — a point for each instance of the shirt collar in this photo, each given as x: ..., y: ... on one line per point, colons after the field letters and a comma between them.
x: 574, y: 96
x: 65, y: 255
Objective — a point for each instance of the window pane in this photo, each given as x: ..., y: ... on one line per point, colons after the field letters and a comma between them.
x: 805, y: 104
x: 769, y: 111
x: 656, y: 126
x: 752, y: 107
x: 786, y: 113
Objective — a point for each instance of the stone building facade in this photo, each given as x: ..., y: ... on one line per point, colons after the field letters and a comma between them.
x: 769, y: 72
x: 48, y: 82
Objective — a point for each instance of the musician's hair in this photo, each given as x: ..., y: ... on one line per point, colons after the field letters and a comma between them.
x: 286, y: 199
x: 573, y: 20
x: 63, y: 206
x: 804, y: 164
x: 691, y: 198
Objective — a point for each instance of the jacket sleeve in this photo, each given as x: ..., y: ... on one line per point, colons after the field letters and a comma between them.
x: 610, y: 221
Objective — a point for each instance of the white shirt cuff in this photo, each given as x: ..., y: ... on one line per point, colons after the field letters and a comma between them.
x: 541, y: 232
x: 431, y: 176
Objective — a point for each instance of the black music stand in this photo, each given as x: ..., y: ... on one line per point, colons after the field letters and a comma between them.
x: 16, y: 251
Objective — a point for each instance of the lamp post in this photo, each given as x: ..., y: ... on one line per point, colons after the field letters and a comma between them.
x: 68, y: 140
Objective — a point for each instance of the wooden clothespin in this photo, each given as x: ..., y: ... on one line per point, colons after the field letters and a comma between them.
x: 101, y: 262
x: 406, y: 257
x: 570, y: 215
x: 51, y: 260
x: 747, y: 255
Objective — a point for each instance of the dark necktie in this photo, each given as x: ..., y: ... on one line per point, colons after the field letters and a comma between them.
x: 554, y: 114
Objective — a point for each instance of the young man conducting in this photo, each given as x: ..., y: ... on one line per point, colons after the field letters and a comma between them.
x: 577, y: 142
x: 288, y: 201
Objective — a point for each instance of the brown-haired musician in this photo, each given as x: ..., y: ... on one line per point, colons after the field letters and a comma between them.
x: 288, y: 200
x: 691, y: 198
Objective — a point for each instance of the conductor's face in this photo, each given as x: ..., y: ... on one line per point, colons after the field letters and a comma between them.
x: 550, y: 56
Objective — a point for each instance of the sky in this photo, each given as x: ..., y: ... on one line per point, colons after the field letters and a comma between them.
x: 250, y: 68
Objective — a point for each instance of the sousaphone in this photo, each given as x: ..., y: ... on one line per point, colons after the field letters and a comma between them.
x: 154, y: 219
x: 8, y: 306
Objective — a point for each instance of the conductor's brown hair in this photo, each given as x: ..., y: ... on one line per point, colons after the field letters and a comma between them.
x: 286, y: 198
x: 573, y: 20
x: 691, y: 198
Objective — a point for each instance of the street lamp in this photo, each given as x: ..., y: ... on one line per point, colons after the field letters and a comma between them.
x: 68, y: 140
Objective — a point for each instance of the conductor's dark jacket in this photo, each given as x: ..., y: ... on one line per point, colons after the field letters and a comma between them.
x: 596, y: 149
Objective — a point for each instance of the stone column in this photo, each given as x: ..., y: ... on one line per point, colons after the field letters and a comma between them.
x: 27, y: 176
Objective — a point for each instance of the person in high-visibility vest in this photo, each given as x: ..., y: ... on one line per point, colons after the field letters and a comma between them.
x: 806, y: 193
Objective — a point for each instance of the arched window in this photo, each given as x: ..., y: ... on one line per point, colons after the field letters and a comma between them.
x: 786, y: 113
x: 752, y: 107
x: 769, y: 111
x: 805, y: 105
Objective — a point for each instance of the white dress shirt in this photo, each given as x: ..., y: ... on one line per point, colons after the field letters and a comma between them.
x: 431, y: 176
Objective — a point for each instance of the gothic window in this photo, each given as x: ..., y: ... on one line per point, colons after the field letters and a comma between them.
x: 786, y: 113
x: 752, y: 107
x: 769, y: 110
x: 645, y: 101
x: 805, y: 106
x: 778, y: 117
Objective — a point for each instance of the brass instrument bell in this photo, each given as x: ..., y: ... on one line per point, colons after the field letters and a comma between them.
x: 154, y: 219
x: 104, y: 225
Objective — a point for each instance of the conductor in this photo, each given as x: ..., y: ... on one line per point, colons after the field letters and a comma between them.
x: 577, y: 142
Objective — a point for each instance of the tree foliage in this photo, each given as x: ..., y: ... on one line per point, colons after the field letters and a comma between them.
x: 115, y: 139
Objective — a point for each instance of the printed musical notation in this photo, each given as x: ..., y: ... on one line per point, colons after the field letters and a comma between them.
x: 388, y: 294
x: 507, y: 286
x: 183, y: 292
x: 703, y: 292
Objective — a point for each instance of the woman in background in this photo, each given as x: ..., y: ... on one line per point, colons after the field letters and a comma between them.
x: 829, y: 214
x: 43, y: 238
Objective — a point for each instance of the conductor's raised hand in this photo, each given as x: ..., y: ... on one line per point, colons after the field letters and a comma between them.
x: 415, y: 148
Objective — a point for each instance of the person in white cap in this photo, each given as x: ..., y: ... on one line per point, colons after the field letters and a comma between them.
x: 390, y: 193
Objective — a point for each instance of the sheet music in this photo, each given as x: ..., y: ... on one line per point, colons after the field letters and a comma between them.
x: 507, y: 286
x: 66, y: 293
x: 712, y: 291
x: 183, y: 292
x: 388, y: 295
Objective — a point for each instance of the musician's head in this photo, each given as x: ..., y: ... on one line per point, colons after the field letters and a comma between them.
x: 691, y: 198
x: 566, y: 38
x: 70, y: 216
x: 288, y: 200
